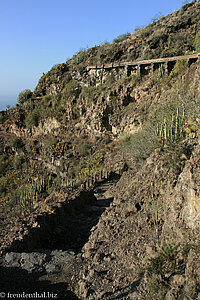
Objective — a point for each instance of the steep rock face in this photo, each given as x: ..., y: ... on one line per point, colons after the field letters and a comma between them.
x: 44, y: 127
x: 119, y: 107
x: 152, y: 209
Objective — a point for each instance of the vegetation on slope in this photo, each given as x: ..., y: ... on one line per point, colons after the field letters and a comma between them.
x: 60, y: 94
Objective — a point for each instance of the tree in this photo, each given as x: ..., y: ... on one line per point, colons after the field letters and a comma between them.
x: 24, y: 96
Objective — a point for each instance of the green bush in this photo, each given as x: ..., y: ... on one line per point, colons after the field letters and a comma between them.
x: 71, y: 89
x: 33, y: 118
x: 110, y: 79
x: 197, y: 41
x: 84, y: 148
x: 179, y: 68
x: 93, y: 165
x: 78, y: 58
x: 18, y: 161
x: 24, y: 96
x: 59, y: 148
x: 3, y: 165
x: 3, y: 117
x: 122, y: 37
x: 166, y: 260
x: 17, y: 143
x: 49, y: 141
x: 88, y: 92
x: 141, y: 144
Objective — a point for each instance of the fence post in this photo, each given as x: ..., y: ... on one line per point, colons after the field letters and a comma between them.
x: 86, y: 184
x: 94, y: 177
x: 106, y: 174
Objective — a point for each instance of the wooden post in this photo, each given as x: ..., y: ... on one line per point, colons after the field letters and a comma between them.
x: 106, y: 174
x: 100, y: 174
x: 87, y: 184
x: 152, y: 69
x: 139, y: 70
x: 94, y: 177
x: 126, y: 70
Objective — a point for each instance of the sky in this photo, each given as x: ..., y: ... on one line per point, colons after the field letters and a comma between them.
x: 35, y: 35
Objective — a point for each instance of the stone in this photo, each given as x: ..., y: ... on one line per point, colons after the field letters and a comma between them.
x: 83, y: 289
x: 61, y: 257
x: 79, y: 255
x: 12, y: 259
x: 33, y: 261
x: 51, y: 268
x: 30, y: 267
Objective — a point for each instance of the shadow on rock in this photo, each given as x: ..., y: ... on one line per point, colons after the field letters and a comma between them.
x: 18, y: 281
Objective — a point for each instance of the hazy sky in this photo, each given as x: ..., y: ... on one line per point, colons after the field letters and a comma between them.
x: 37, y: 34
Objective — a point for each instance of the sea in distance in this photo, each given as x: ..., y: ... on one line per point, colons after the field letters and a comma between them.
x: 7, y: 100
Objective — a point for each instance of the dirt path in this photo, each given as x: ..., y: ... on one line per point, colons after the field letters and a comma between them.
x: 54, y: 268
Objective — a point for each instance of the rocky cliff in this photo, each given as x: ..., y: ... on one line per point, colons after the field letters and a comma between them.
x: 146, y: 244
x: 99, y: 170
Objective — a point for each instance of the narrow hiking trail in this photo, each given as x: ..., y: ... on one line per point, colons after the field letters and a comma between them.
x: 52, y: 267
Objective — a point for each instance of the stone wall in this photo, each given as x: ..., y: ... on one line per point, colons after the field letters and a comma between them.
x: 99, y: 74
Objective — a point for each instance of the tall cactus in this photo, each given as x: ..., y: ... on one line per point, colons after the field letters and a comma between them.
x: 171, y: 131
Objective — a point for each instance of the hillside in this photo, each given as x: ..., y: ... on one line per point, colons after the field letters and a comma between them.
x: 99, y: 173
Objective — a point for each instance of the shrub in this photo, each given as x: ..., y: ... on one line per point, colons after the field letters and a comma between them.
x: 197, y: 41
x: 179, y: 68
x: 141, y: 144
x: 33, y: 118
x: 3, y: 165
x: 157, y: 17
x: 24, y: 96
x: 71, y: 89
x: 84, y: 148
x: 93, y: 165
x: 110, y: 79
x: 88, y: 92
x: 17, y: 143
x: 191, y: 126
x: 59, y: 148
x: 49, y: 141
x: 122, y: 37
x: 3, y: 117
x: 18, y: 161
x: 78, y: 58
x: 146, y: 31
x: 166, y: 260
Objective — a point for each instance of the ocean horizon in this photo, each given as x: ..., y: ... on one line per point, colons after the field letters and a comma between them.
x: 7, y: 100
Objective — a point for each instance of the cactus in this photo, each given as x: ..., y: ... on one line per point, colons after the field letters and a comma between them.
x: 176, y: 124
x: 174, y: 131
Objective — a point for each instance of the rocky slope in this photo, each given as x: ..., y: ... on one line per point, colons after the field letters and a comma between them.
x: 146, y: 244
x: 139, y: 238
